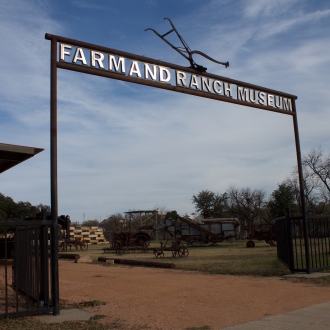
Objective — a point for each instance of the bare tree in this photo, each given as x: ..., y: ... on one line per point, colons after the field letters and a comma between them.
x: 318, y: 166
x: 316, y: 175
x: 247, y: 204
x: 316, y: 196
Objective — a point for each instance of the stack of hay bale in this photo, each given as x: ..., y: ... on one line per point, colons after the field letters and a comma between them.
x: 92, y: 235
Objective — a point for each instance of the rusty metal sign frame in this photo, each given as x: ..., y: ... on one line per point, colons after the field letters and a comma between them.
x: 265, y: 102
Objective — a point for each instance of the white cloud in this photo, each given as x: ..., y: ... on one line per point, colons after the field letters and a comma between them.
x: 256, y: 8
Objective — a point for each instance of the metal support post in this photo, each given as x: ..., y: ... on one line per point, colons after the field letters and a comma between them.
x: 53, y: 177
x: 301, y: 187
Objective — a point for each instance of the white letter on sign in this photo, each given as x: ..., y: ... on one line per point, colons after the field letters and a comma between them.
x: 147, y: 71
x: 164, y: 74
x: 270, y: 100
x: 206, y: 84
x: 113, y: 63
x: 79, y: 56
x: 262, y: 96
x: 228, y: 90
x: 193, y: 82
x: 181, y: 78
x: 287, y: 104
x: 99, y: 59
x: 215, y: 84
x: 135, y: 69
x: 242, y: 94
x: 63, y: 52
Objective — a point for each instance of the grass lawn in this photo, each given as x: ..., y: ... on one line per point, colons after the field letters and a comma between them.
x: 224, y: 258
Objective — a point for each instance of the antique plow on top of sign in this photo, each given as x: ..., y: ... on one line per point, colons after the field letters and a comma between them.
x: 185, y: 51
x: 101, y: 61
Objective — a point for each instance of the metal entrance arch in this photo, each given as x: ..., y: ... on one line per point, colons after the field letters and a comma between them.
x: 101, y: 61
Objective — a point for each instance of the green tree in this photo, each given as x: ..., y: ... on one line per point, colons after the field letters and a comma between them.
x: 43, y: 207
x: 12, y: 210
x: 210, y: 203
x: 282, y: 199
x: 111, y: 224
x: 172, y: 215
x: 220, y: 205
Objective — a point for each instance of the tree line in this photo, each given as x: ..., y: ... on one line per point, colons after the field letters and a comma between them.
x: 12, y: 211
x: 256, y: 205
x: 244, y: 203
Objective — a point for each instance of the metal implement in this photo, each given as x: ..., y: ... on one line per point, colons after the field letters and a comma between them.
x: 260, y: 233
x: 210, y: 231
x: 63, y: 244
x: 185, y: 51
x: 124, y: 241
x: 176, y: 246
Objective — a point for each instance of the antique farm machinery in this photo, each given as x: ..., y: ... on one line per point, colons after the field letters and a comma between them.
x: 126, y: 240
x: 177, y: 246
x: 208, y: 231
x: 265, y: 233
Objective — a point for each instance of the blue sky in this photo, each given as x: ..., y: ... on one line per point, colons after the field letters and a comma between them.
x: 123, y: 146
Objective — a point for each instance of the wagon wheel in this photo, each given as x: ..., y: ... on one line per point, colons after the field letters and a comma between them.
x: 159, y: 254
x: 272, y: 243
x: 77, y: 242
x: 250, y: 244
x: 175, y: 253
x: 191, y: 240
x: 272, y: 237
x: 117, y: 245
x: 183, y: 252
x: 83, y: 244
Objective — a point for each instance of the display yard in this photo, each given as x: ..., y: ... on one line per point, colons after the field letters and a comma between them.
x: 223, y: 258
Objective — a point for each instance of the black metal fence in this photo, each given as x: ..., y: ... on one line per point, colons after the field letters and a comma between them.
x: 24, y: 268
x: 294, y: 251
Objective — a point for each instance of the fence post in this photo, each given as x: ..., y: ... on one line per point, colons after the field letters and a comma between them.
x: 290, y: 243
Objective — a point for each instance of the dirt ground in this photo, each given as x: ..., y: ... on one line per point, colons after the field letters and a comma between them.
x: 171, y: 299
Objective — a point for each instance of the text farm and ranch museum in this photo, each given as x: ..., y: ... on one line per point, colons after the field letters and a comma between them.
x: 141, y: 70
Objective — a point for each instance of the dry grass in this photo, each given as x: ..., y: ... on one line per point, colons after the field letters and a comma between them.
x: 32, y: 323
x: 224, y: 258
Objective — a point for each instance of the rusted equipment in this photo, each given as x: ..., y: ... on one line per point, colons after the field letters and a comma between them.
x: 123, y: 240
x: 209, y: 231
x: 176, y: 246
x: 265, y: 233
x: 131, y: 249
x: 76, y: 243
x: 185, y: 51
